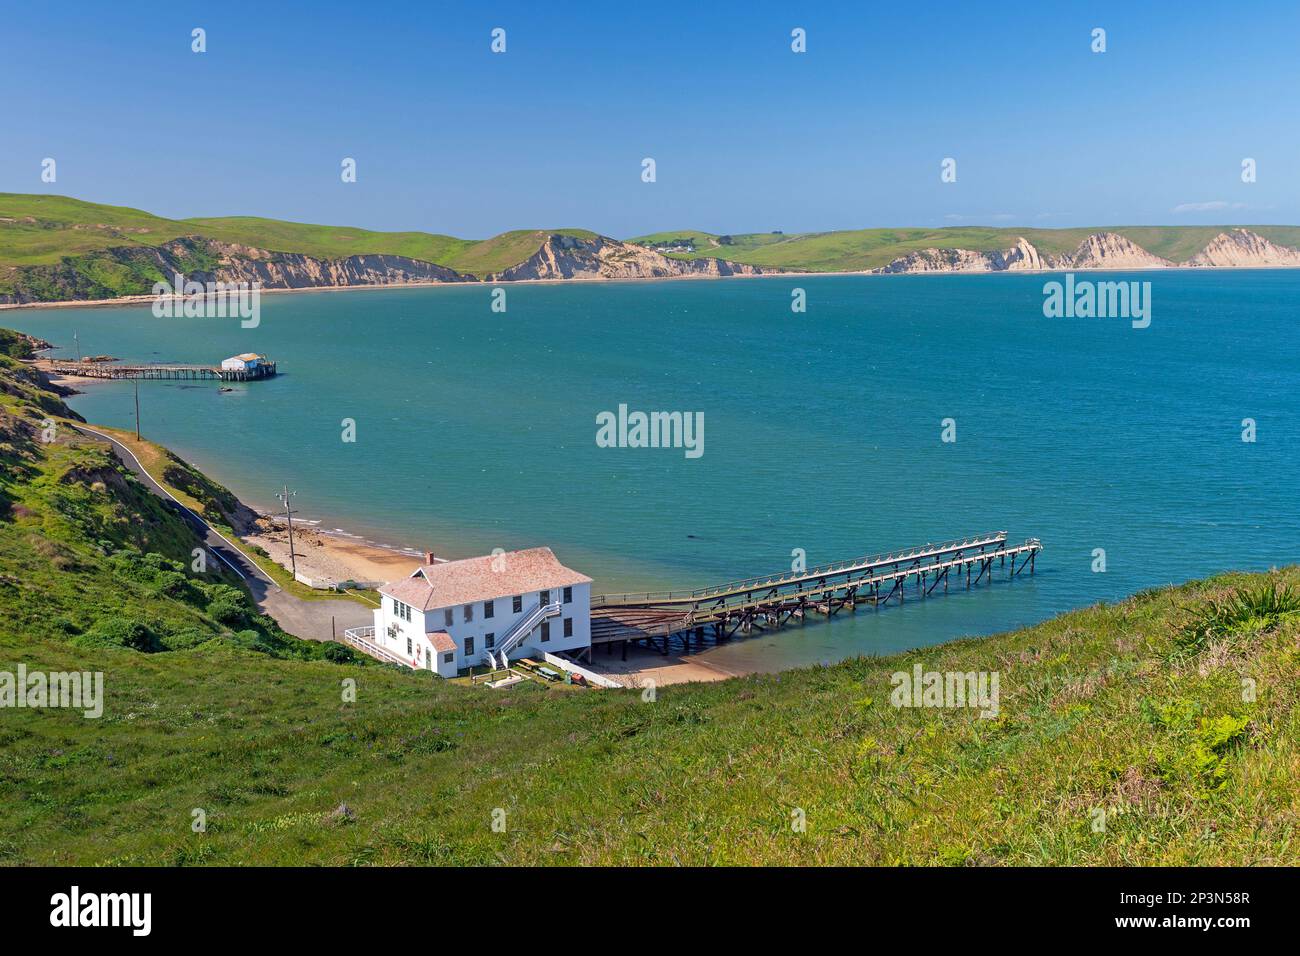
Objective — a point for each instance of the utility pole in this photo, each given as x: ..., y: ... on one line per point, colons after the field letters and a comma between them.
x: 284, y: 497
x: 136, y: 383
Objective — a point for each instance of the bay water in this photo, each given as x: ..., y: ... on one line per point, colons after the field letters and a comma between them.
x: 823, y: 430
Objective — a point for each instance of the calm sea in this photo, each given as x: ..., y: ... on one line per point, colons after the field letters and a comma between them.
x: 822, y: 430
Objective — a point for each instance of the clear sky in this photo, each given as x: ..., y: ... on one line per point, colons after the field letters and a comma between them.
x: 747, y: 135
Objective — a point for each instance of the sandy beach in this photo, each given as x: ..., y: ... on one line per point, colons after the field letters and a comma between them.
x: 644, y: 665
x: 333, y: 557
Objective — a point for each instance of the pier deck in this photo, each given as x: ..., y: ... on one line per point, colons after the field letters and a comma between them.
x: 113, y: 370
x: 760, y: 603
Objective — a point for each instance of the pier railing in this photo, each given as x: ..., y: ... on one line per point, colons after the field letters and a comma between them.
x: 975, y: 545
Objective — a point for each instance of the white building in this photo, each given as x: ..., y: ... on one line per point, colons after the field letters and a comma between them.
x: 247, y: 362
x: 450, y: 615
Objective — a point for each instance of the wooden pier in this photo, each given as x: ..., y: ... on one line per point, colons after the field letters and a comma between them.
x: 717, y: 613
x: 113, y: 370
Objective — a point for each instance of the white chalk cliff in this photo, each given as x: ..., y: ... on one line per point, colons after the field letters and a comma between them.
x: 571, y: 257
x: 1242, y: 248
x: 1239, y: 248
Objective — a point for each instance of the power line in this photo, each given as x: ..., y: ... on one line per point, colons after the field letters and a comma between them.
x: 284, y: 497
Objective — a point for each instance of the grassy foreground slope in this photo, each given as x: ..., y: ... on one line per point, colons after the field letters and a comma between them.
x: 1172, y: 717
x: 862, y: 249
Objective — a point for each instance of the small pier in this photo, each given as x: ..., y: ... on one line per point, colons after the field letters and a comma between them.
x: 718, y: 613
x: 114, y: 370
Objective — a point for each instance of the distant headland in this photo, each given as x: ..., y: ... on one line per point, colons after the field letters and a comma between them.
x: 60, y: 250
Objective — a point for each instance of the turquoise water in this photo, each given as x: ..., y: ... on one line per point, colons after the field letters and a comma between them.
x: 476, y: 429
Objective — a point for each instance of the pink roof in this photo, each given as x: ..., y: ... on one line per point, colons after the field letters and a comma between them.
x: 450, y: 583
x: 442, y: 641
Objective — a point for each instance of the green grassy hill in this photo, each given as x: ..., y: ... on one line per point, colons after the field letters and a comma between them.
x: 328, y: 242
x: 1135, y: 715
x: 40, y: 230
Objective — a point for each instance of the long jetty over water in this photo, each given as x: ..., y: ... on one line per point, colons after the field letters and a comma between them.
x: 772, y: 601
x: 113, y: 370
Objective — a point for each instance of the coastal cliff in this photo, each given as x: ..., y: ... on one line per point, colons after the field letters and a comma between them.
x: 132, y: 270
x: 1022, y: 256
x: 291, y: 270
x: 1101, y: 250
x: 56, y: 249
x: 1242, y: 248
x: 573, y: 257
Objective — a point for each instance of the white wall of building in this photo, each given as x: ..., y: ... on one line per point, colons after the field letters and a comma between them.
x: 473, y: 633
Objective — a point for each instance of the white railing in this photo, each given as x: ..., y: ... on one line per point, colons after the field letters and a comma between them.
x: 362, y: 638
x: 600, y: 680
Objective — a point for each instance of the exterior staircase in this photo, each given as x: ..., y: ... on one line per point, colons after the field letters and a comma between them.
x: 500, y: 655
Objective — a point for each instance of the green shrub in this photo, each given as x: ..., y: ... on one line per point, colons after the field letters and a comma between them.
x: 186, y: 638
x: 338, y: 653
x: 119, y: 632
x: 1245, y: 611
x: 228, y: 612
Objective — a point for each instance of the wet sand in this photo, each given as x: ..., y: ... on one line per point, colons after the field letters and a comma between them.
x: 643, y: 666
x: 334, y: 558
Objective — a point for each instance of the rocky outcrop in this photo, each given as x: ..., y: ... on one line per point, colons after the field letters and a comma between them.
x: 206, y: 260
x: 1110, y: 250
x: 291, y: 270
x: 943, y: 260
x: 1102, y: 250
x: 572, y: 257
x: 1022, y: 256
x: 137, y: 268
x: 1242, y: 248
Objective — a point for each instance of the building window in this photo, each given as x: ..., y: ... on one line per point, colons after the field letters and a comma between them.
x: 446, y: 617
x: 568, y: 595
x: 469, y: 646
x: 469, y: 613
x: 489, y: 609
x: 568, y: 627
x: 517, y: 603
x: 408, y: 645
x: 546, y: 597
x: 448, y: 657
x: 546, y: 630
x: 489, y: 641
x: 428, y: 658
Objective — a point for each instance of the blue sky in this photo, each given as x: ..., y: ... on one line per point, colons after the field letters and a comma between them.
x: 746, y: 135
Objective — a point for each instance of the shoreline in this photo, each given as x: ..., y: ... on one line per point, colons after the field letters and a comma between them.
x: 334, y: 555
x: 150, y: 299
x: 128, y: 300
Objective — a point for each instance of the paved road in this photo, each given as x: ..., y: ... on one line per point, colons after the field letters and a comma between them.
x: 313, y: 620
